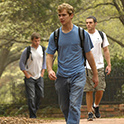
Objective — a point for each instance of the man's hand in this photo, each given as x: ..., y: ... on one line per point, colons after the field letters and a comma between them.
x: 49, y: 62
x: 52, y: 75
x: 92, y: 64
x: 107, y: 58
x: 42, y: 72
x: 95, y: 80
x: 26, y: 74
x: 108, y: 70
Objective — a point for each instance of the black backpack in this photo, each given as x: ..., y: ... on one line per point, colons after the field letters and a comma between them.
x: 102, y: 36
x: 29, y: 52
x: 81, y: 36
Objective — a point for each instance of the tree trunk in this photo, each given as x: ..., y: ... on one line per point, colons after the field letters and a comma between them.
x: 122, y: 19
x: 3, y: 55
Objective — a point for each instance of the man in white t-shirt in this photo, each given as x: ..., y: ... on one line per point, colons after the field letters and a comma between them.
x: 99, y: 44
x: 33, y: 68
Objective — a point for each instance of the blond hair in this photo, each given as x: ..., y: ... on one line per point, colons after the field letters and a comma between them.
x: 69, y: 8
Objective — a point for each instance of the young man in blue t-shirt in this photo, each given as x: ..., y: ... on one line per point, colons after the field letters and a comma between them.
x: 70, y: 79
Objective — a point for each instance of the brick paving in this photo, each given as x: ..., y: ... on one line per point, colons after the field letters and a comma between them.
x: 95, y: 121
x: 23, y: 120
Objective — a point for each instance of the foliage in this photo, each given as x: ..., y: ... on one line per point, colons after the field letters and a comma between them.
x: 120, y: 93
x: 12, y: 87
x: 22, y: 111
x: 19, y: 18
x: 117, y: 64
x: 115, y: 81
x: 13, y: 110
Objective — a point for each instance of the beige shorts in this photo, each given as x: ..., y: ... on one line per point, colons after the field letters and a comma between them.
x: 89, y: 86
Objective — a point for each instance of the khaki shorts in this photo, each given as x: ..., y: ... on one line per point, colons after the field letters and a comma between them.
x: 89, y: 86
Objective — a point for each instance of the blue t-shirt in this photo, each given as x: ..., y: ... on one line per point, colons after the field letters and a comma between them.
x: 70, y: 58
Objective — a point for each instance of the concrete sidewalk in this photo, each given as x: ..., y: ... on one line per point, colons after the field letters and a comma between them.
x: 95, y: 121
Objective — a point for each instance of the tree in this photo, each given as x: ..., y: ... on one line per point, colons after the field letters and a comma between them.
x: 19, y: 18
x: 105, y: 11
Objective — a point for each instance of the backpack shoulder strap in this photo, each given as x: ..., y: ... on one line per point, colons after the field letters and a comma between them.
x: 82, y: 37
x: 28, y: 53
x: 43, y: 52
x: 43, y: 48
x: 56, y: 37
x: 102, y: 36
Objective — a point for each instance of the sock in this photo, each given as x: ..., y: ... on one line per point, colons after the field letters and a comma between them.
x: 96, y: 105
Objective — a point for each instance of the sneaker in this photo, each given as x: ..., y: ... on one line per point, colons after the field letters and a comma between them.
x: 96, y: 112
x: 90, y: 116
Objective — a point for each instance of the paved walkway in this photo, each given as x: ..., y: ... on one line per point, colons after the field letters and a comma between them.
x: 95, y: 121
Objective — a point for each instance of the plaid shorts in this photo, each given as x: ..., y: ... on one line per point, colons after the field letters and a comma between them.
x: 89, y: 86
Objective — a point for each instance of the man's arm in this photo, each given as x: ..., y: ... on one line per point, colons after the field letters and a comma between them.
x: 27, y: 75
x: 22, y: 64
x: 49, y: 62
x: 42, y: 72
x: 107, y: 58
x: 92, y: 64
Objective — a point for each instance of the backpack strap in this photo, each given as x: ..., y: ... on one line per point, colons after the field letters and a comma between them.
x: 102, y: 36
x: 43, y: 48
x: 28, y: 53
x: 82, y: 37
x: 56, y: 37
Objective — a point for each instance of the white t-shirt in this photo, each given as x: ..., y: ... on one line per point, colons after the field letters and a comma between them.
x: 97, y: 49
x: 35, y: 66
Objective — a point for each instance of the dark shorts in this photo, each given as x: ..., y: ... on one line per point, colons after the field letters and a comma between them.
x: 89, y: 86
